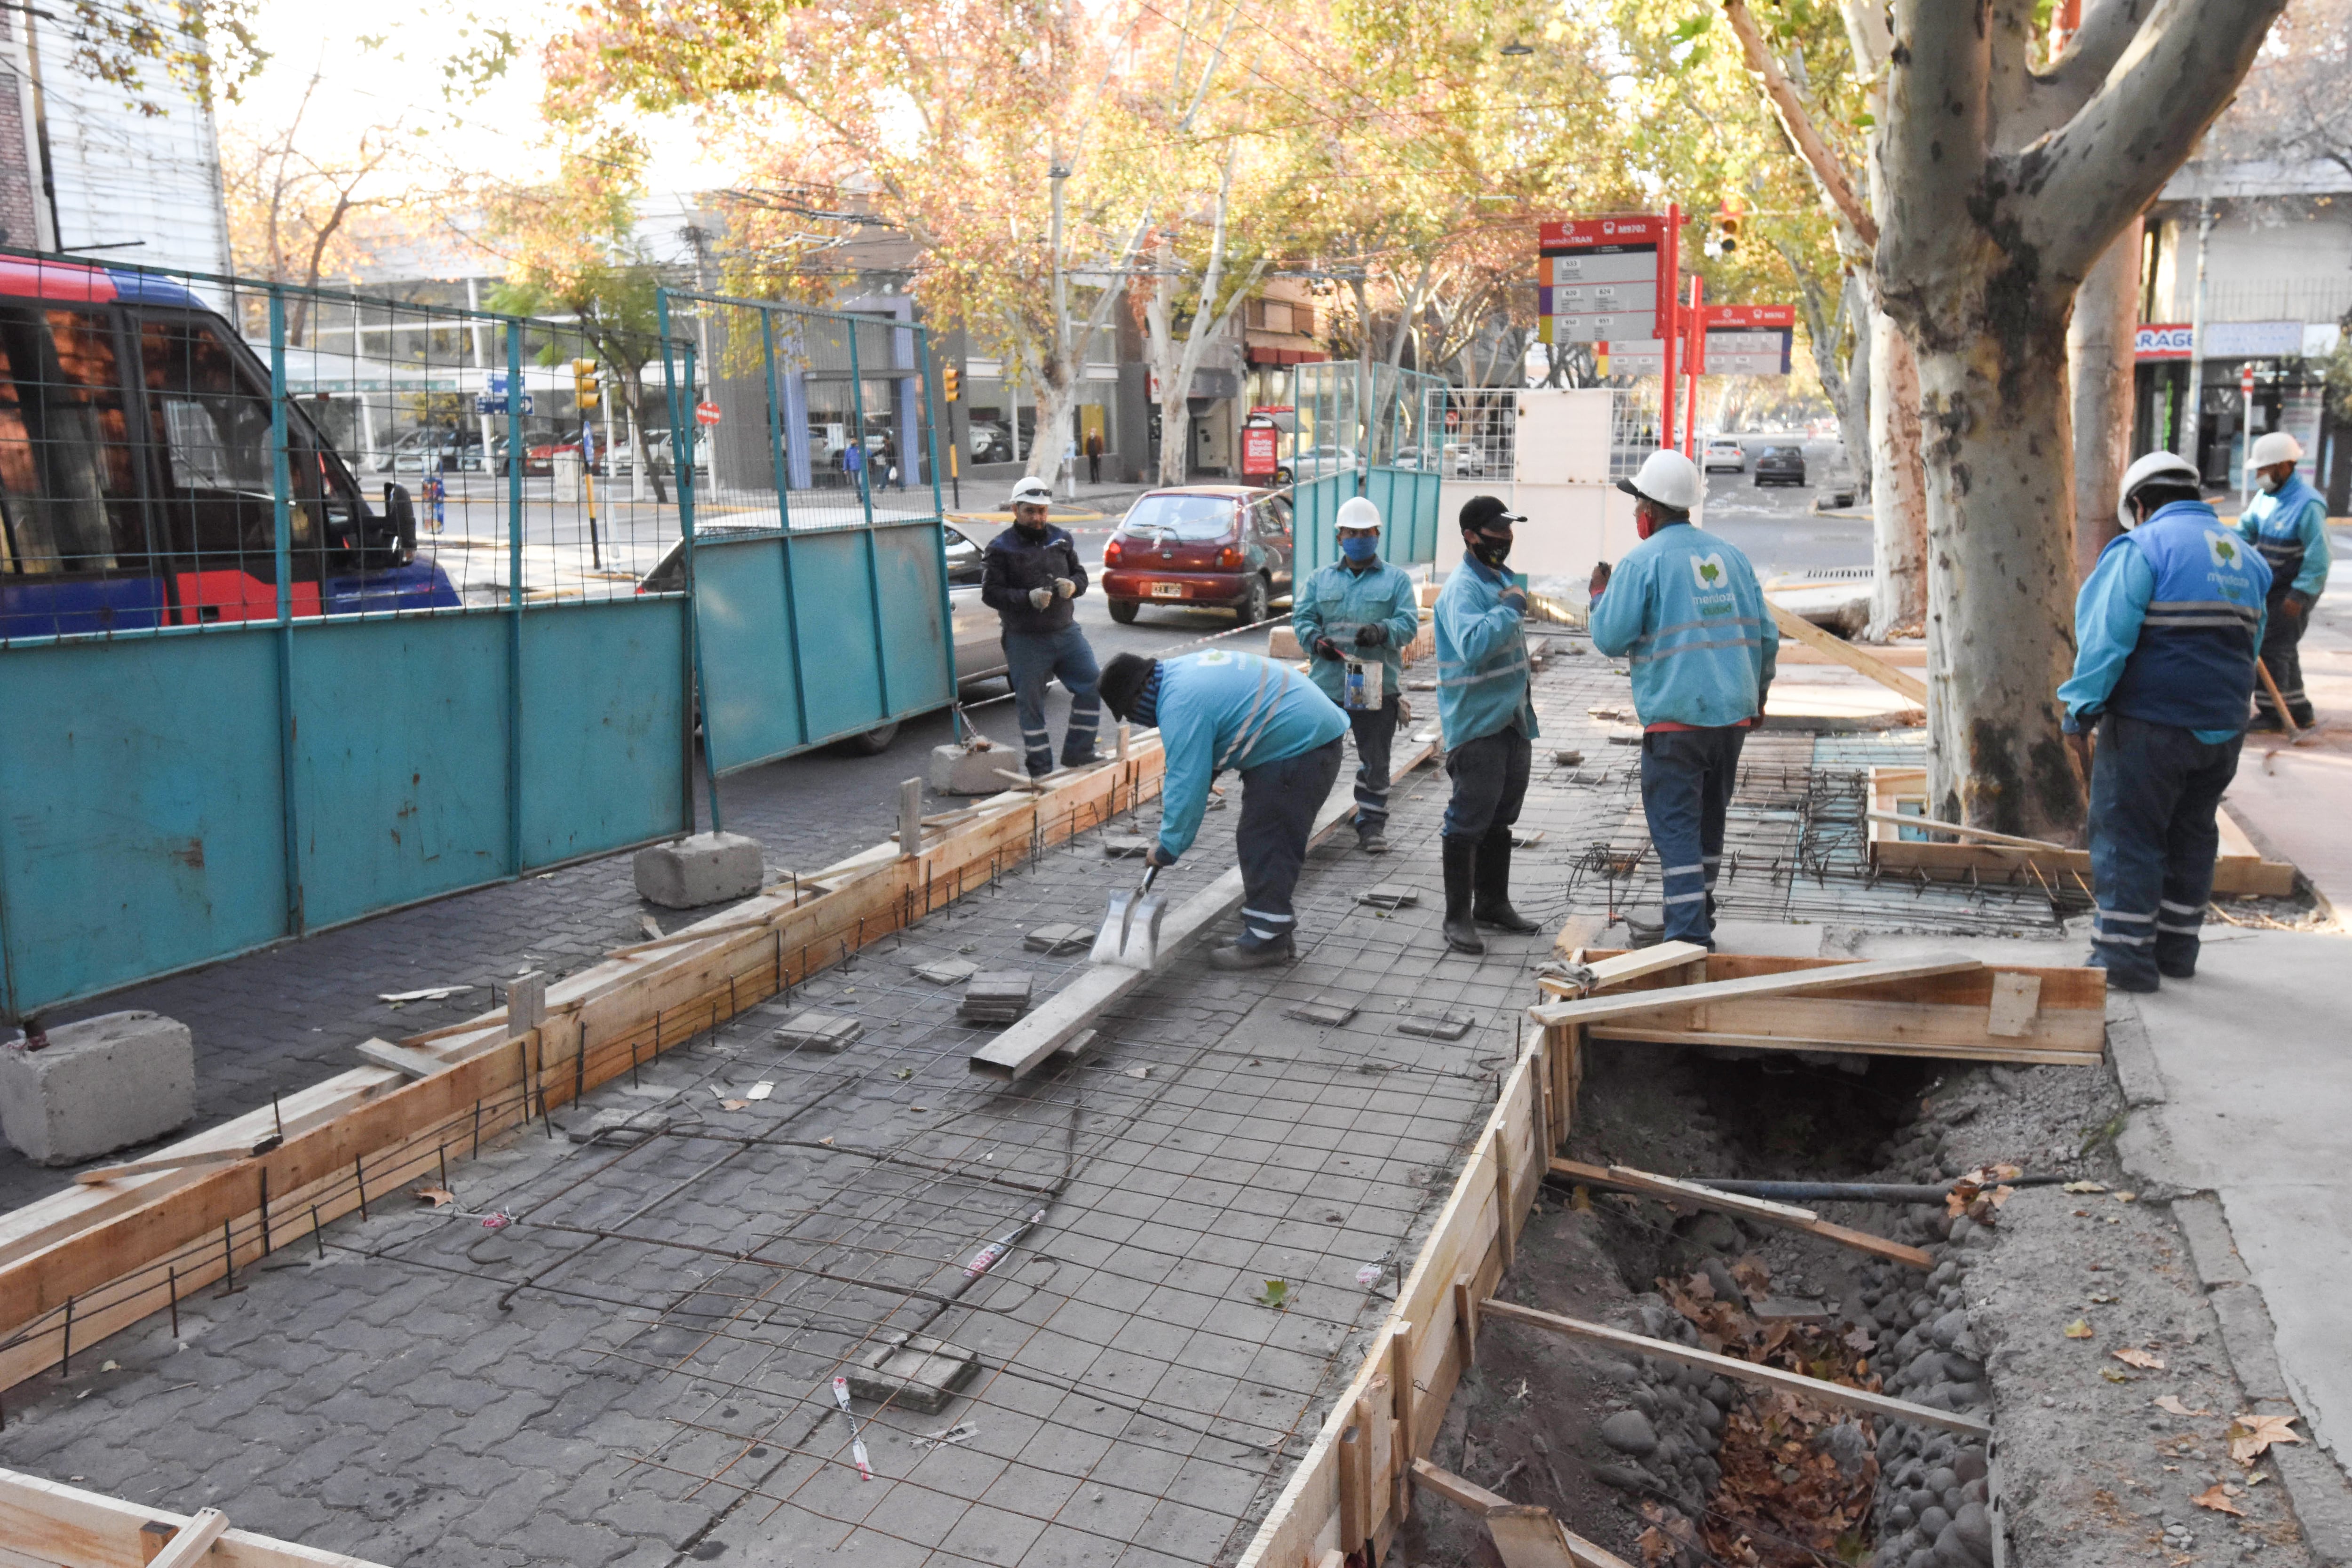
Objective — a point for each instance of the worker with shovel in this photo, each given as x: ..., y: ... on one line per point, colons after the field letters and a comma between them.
x: 2288, y: 524
x: 2165, y: 628
x: 1221, y: 710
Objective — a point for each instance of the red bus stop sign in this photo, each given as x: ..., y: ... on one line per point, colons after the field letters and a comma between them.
x: 706, y: 414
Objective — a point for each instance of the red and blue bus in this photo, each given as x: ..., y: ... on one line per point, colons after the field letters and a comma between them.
x: 137, y: 471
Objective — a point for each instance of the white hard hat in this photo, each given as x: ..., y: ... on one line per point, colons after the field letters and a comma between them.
x: 2274, y: 446
x: 1358, y: 512
x: 1031, y: 490
x: 2166, y: 465
x: 1668, y: 478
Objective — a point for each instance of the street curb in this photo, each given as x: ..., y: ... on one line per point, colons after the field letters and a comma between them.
x: 2137, y: 1074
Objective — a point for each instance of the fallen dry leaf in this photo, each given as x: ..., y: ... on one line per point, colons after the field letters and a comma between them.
x: 2250, y: 1435
x: 2112, y: 1375
x: 2083, y: 1187
x: 733, y: 1104
x: 827, y: 1142
x: 2080, y: 1329
x: 2171, y: 1401
x: 439, y: 1198
x: 2139, y: 1359
x: 2213, y: 1498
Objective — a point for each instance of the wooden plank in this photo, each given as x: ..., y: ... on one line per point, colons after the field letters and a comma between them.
x: 1629, y: 966
x: 1840, y: 1022
x: 1845, y: 653
x: 1021, y: 1049
x: 2016, y: 1001
x: 169, y: 1162
x: 1929, y: 825
x: 1783, y: 1215
x: 1881, y: 971
x: 1812, y: 1388
x: 192, y: 1541
x: 2010, y: 1055
x: 46, y: 1521
x: 400, y: 1060
x: 1567, y: 1546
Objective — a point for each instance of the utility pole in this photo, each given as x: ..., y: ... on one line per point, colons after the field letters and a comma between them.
x: 1056, y: 172
x: 2185, y: 438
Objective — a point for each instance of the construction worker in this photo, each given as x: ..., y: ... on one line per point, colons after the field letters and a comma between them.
x: 1488, y: 721
x: 2166, y: 629
x: 1221, y: 710
x: 1685, y: 610
x: 1028, y: 576
x: 1361, y: 610
x: 2288, y: 523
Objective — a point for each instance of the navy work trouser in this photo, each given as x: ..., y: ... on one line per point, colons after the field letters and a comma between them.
x: 1036, y: 658
x: 2282, y: 654
x: 1687, y: 781
x: 1490, y: 784
x: 1375, y: 733
x: 2154, y: 791
x: 1279, y: 801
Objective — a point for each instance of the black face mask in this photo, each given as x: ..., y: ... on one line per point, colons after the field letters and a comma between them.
x: 1029, y: 530
x: 1491, y: 551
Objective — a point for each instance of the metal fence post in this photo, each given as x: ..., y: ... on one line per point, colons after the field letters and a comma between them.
x: 931, y: 449
x: 785, y: 516
x: 515, y: 457
x: 281, y: 486
x: 681, y: 445
x: 865, y: 494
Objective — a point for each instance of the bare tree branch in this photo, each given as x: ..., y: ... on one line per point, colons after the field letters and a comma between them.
x: 1790, y: 108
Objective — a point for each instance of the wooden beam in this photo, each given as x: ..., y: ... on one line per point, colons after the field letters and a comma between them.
x: 1847, y: 653
x: 192, y: 1541
x: 1783, y: 1215
x: 1962, y: 829
x: 1019, y: 1050
x: 1524, y: 1540
x: 402, y: 1059
x: 1812, y: 1388
x: 1595, y: 1009
x: 1628, y: 966
x: 170, y: 1162
x: 2022, y: 1055
x: 45, y: 1521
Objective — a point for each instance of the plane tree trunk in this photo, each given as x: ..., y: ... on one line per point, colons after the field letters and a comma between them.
x: 2099, y: 358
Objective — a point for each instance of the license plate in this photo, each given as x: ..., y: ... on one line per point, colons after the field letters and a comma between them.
x: 1168, y: 590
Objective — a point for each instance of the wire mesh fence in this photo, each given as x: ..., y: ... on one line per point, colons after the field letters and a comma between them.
x: 1473, y: 431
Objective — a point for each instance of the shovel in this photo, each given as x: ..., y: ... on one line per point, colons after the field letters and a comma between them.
x: 1130, y: 932
x: 2297, y: 735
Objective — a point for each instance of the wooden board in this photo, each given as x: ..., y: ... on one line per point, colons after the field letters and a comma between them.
x: 2238, y: 868
x: 1631, y: 1001
x: 1813, y: 1388
x: 46, y: 1522
x: 1840, y: 651
x: 1756, y: 1209
x: 1527, y: 1537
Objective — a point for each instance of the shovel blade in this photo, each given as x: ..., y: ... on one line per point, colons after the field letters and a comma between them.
x: 1142, y: 948
x: 1111, y: 940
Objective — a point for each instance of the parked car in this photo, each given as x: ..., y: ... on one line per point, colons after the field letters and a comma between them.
x: 1723, y: 453
x: 1315, y: 463
x: 991, y: 442
x: 1200, y: 546
x: 1780, y: 466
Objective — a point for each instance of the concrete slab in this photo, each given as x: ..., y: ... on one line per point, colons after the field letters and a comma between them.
x: 698, y: 870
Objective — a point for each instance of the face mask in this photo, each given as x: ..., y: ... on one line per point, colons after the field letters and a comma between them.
x: 1360, y: 549
x: 2271, y: 484
x: 1493, y: 552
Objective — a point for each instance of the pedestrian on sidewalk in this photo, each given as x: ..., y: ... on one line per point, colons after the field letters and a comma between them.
x: 1488, y: 720
x: 1685, y: 610
x: 2166, y: 629
x: 1094, y: 457
x: 2288, y: 523
x: 853, y: 465
x: 1361, y: 610
x: 1029, y: 576
x: 1221, y: 710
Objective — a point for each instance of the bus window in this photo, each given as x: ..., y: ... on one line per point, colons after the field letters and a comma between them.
x: 68, y: 499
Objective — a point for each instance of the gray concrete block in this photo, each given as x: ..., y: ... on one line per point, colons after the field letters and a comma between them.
x: 102, y: 1084
x: 704, y: 869
x: 956, y: 770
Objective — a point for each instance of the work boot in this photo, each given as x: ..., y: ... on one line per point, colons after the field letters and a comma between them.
x: 1461, y: 860
x: 1372, y: 841
x: 1234, y: 955
x: 1492, y: 905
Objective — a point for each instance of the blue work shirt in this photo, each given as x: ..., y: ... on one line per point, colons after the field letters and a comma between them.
x: 1685, y: 610
x: 1481, y: 658
x: 1220, y: 709
x: 2290, y: 530
x: 1337, y: 601
x: 2186, y: 657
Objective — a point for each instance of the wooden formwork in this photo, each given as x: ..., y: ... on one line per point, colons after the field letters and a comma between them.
x: 46, y: 1525
x: 85, y: 1263
x: 2239, y: 867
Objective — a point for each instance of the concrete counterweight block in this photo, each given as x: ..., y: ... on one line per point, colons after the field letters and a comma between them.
x: 102, y: 1084
x: 703, y: 868
x: 956, y: 770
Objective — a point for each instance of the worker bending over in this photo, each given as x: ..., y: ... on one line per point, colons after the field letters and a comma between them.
x: 1361, y: 610
x: 1220, y: 709
x: 2165, y: 633
x: 1489, y: 723
x: 1684, y: 611
x: 2288, y: 523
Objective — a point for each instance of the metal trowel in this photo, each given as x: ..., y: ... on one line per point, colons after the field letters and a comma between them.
x: 1130, y: 932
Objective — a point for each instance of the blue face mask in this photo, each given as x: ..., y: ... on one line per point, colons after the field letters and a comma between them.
x: 1360, y: 548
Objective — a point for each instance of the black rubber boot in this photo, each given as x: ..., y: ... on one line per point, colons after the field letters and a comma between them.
x: 1492, y: 905
x: 1461, y: 859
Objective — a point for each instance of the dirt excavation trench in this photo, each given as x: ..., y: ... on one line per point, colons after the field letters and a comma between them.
x: 2031, y: 1292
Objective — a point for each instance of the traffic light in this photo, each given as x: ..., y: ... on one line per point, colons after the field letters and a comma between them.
x: 951, y: 383
x: 585, y: 384
x: 1727, y: 229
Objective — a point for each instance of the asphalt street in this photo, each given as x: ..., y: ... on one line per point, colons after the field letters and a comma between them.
x: 1774, y: 525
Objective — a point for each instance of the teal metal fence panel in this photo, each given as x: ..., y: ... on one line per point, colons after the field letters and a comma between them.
x: 1408, y: 501
x: 1314, y: 507
x: 604, y: 723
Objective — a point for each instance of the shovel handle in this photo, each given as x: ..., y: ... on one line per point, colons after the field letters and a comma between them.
x: 1145, y: 885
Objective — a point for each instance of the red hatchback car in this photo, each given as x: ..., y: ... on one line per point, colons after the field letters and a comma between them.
x: 1223, y: 547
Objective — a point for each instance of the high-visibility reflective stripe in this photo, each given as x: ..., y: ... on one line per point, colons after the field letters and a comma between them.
x: 1685, y: 898
x: 1263, y: 935
x: 1692, y: 647
x: 2179, y: 930
x: 2111, y: 940
x: 1691, y: 869
x: 1518, y: 667
x: 2179, y: 908
x: 1262, y: 915
x: 1697, y: 626
x: 2108, y: 914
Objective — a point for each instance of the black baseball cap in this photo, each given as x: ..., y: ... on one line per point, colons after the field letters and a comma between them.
x: 1480, y: 513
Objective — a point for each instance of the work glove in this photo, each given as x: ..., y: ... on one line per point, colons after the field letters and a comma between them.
x: 1064, y: 588
x: 1372, y: 636
x: 1599, y: 577
x: 2296, y: 603
x: 1325, y: 648
x: 1040, y: 597
x: 1156, y: 855
x: 1515, y: 599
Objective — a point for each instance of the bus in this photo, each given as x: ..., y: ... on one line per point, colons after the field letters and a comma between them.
x: 138, y: 472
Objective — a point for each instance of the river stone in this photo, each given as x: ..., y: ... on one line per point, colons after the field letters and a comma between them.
x: 1630, y: 1432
